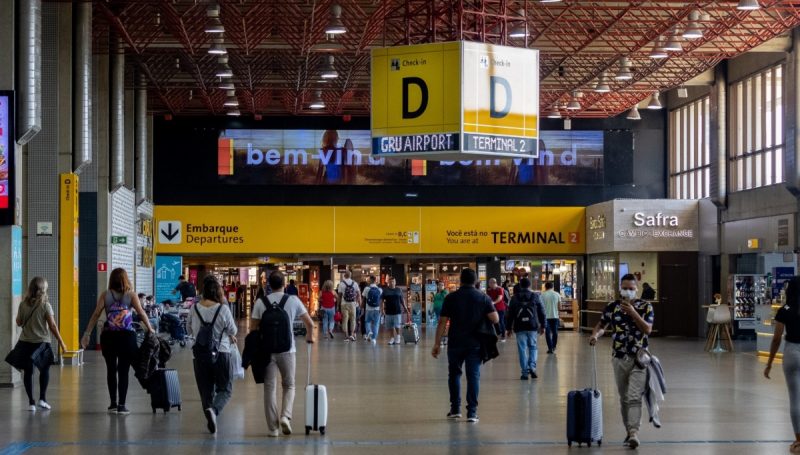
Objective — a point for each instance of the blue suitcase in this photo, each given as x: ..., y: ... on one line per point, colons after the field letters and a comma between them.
x: 585, y: 413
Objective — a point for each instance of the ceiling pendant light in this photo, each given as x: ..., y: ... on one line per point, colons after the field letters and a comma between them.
x: 218, y: 48
x: 673, y: 45
x: 226, y: 86
x: 223, y: 69
x: 658, y: 51
x: 574, y: 104
x: 748, y: 5
x: 335, y: 25
x: 624, y: 73
x: 231, y: 100
x: 654, y: 103
x: 602, y: 84
x: 214, y: 25
x: 554, y: 113
x: 693, y: 30
x: 234, y: 113
x: 328, y: 70
x: 521, y: 29
x: 633, y: 114
x: 549, y: 1
x: 317, y: 102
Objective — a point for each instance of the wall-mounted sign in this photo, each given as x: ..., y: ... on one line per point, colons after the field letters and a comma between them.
x: 455, y: 100
x: 68, y: 247
x: 102, y: 266
x: 7, y: 169
x: 167, y: 271
x: 753, y: 244
x: 44, y: 228
x: 119, y: 240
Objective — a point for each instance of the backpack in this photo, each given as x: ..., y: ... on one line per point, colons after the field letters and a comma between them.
x: 526, y: 318
x: 374, y: 297
x: 206, y: 347
x: 118, y: 315
x: 276, y: 328
x: 350, y: 293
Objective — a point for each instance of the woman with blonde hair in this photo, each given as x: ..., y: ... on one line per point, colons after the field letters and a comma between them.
x: 327, y: 302
x: 35, y: 316
x: 118, y: 338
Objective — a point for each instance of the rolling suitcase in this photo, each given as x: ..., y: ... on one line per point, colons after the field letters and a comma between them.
x: 165, y: 390
x: 585, y: 413
x: 410, y: 333
x: 316, y: 403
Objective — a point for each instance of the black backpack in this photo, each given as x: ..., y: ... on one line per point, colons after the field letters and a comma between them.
x: 206, y: 347
x: 526, y: 318
x: 275, y: 327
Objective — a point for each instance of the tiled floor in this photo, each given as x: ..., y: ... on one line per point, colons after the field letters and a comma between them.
x: 392, y: 399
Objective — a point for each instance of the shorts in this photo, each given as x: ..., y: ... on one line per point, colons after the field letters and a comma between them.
x: 394, y: 321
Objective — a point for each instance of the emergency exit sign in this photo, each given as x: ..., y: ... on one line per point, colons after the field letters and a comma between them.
x: 119, y: 240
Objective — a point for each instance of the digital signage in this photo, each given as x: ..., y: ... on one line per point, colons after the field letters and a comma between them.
x: 6, y: 157
x: 345, y: 157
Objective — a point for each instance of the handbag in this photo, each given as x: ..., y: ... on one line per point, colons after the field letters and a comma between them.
x: 643, y: 358
x: 17, y: 358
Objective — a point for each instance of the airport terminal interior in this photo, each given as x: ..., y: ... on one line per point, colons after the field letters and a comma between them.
x: 429, y: 226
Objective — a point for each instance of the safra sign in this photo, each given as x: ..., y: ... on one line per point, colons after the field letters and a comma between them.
x: 455, y: 101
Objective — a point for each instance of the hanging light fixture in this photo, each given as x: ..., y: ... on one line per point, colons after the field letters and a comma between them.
x: 748, y: 5
x: 214, y: 25
x: 521, y: 29
x: 234, y: 113
x: 223, y: 69
x: 549, y: 1
x: 226, y: 85
x: 654, y: 103
x: 218, y: 48
x: 673, y: 45
x: 693, y: 30
x: 231, y: 100
x: 624, y: 73
x: 328, y: 70
x: 574, y: 104
x: 317, y: 102
x: 658, y: 51
x: 335, y: 25
x: 602, y: 84
x: 553, y: 113
x: 633, y: 114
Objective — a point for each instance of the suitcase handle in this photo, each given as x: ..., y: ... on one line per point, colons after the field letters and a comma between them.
x: 594, y: 367
x: 308, y: 381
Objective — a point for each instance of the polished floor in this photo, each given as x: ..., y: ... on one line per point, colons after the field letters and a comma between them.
x: 392, y: 399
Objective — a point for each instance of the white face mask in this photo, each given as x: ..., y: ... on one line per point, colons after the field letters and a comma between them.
x: 627, y: 294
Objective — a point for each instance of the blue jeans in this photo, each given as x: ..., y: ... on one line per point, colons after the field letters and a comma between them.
x: 551, y: 333
x: 471, y: 358
x: 372, y: 321
x: 501, y: 326
x: 327, y: 319
x: 528, y: 352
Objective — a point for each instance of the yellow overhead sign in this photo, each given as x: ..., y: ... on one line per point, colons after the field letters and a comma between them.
x: 448, y: 100
x: 369, y: 230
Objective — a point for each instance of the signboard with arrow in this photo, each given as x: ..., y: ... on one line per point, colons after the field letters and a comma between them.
x: 169, y: 232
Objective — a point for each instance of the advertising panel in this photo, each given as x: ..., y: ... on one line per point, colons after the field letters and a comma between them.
x: 367, y: 230
x: 68, y: 263
x: 344, y: 157
x: 167, y: 271
x: 6, y: 158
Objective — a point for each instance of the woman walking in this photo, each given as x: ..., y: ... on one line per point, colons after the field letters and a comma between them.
x: 328, y: 303
x: 215, y: 336
x: 118, y: 338
x: 788, y: 319
x: 35, y: 316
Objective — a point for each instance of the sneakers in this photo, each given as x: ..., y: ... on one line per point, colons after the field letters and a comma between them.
x: 524, y: 377
x: 453, y: 415
x: 399, y: 339
x: 286, y: 426
x: 274, y: 433
x: 330, y: 334
x: 44, y: 405
x: 353, y: 338
x: 32, y: 408
x: 391, y: 341
x: 633, y: 440
x: 534, y: 375
x: 112, y: 409
x: 347, y: 340
x: 211, y: 419
x: 122, y: 410
x: 473, y: 418
x: 549, y: 351
x: 374, y: 342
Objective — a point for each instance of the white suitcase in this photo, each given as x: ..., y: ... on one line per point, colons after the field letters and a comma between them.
x: 316, y: 403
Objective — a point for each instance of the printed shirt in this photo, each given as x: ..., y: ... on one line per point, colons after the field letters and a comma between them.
x: 626, y: 337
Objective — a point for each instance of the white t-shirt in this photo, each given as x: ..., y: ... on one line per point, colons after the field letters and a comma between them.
x: 343, y: 286
x: 225, y: 323
x: 365, y: 294
x: 294, y: 308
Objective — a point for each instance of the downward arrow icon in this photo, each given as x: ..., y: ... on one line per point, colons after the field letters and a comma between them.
x: 170, y: 234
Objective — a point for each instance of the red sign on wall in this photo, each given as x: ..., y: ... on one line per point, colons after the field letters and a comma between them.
x: 102, y: 267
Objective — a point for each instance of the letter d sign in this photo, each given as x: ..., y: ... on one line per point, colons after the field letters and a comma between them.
x: 423, y: 104
x: 494, y: 81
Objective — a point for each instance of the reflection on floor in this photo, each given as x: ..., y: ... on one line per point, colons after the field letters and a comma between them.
x: 394, y: 399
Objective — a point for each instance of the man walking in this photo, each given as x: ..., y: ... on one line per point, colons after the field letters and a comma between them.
x: 631, y: 321
x: 393, y: 306
x: 349, y: 300
x: 464, y: 309
x: 498, y: 296
x: 372, y: 309
x: 526, y: 319
x: 281, y: 362
x: 551, y: 300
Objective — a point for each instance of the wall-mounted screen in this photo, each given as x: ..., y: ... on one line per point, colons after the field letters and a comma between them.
x: 6, y: 157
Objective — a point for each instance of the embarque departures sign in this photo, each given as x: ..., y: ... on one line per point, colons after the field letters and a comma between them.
x: 455, y: 101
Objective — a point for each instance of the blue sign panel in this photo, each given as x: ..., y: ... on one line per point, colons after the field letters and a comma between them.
x: 16, y: 261
x: 168, y: 269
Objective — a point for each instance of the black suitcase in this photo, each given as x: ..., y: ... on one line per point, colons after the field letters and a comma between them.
x: 165, y: 390
x: 585, y: 413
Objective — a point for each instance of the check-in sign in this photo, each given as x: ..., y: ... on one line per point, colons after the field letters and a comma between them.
x: 455, y: 100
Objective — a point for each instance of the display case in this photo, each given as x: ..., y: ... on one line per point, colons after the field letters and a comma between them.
x: 569, y: 315
x: 603, y: 277
x: 747, y: 292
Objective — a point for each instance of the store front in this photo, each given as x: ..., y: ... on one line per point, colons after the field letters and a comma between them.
x: 658, y: 242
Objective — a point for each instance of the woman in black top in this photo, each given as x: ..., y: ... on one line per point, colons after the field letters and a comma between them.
x: 788, y: 319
